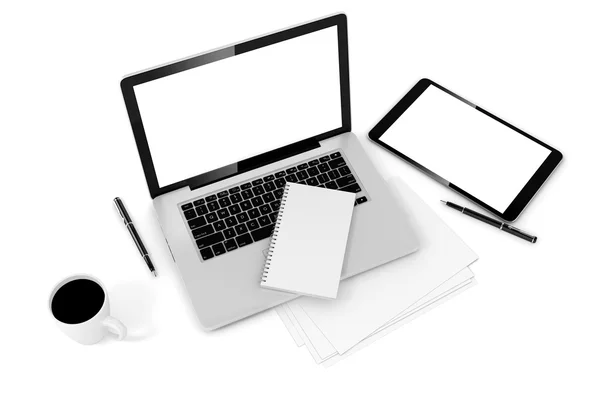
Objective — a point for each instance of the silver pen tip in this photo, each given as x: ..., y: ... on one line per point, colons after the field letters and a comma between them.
x: 443, y: 201
x: 154, y: 273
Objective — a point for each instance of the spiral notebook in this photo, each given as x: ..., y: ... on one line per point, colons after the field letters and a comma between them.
x: 309, y: 241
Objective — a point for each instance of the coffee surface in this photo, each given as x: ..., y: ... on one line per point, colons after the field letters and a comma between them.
x: 77, y: 301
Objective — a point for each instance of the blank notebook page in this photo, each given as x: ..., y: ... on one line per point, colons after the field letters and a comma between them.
x: 309, y: 242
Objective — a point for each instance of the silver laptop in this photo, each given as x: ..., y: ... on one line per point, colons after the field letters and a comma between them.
x: 219, y: 134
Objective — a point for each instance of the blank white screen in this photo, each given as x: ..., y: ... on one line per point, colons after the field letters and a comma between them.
x: 465, y: 147
x: 226, y: 111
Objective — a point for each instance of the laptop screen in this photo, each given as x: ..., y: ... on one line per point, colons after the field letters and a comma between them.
x: 219, y: 113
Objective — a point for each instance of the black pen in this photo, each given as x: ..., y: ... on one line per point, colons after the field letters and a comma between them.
x: 493, y: 222
x: 133, y: 232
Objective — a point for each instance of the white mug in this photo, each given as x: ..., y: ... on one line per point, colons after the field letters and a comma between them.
x: 95, y: 328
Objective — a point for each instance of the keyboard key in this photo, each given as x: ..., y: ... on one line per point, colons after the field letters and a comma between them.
x: 324, y: 159
x: 246, y: 205
x: 312, y: 181
x: 209, y: 240
x: 354, y: 188
x: 337, y: 154
x: 246, y: 186
x: 361, y: 200
x: 242, y: 217
x: 269, y: 197
x: 247, y: 194
x: 218, y: 249
x: 262, y: 233
x: 313, y: 171
x: 197, y: 222
x: 213, y: 206
x: 291, y: 178
x: 211, y: 217
x: 252, y: 224
x: 257, y: 182
x: 269, y: 178
x: 280, y: 182
x: 243, y: 240
x: 323, y: 168
x: 302, y: 175
x: 224, y: 202
x: 231, y: 221
x: 187, y: 206
x: 275, y: 205
x: 303, y: 166
x: 201, y: 210
x: 345, y: 180
x: 206, y: 254
x: 223, y: 213
x: 254, y: 213
x: 257, y: 201
x: 323, y: 178
x: 258, y: 190
x: 264, y: 209
x: 230, y: 245
x: 210, y: 198
x: 333, y: 174
x: 331, y: 185
x: 278, y: 193
x: 269, y: 186
x: 302, y: 183
x: 312, y: 163
x: 235, y: 198
x: 189, y: 214
x: 291, y: 170
x: 222, y: 194
x: 199, y: 202
x: 279, y: 174
x: 336, y: 163
x: 273, y: 217
x: 264, y: 220
x: 229, y: 233
x: 203, y: 231
x: 219, y: 226
x: 241, y: 229
x: 344, y: 170
x: 234, y: 209
x: 234, y: 190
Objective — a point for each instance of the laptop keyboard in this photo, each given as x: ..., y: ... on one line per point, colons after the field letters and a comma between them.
x: 246, y: 213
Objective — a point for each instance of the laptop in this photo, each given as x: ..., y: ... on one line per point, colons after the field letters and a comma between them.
x: 219, y: 134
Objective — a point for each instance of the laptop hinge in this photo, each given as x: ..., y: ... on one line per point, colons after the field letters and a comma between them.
x: 253, y: 163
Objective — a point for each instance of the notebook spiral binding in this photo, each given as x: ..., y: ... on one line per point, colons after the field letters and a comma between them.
x: 265, y: 273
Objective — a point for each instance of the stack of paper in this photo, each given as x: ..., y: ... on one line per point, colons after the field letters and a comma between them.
x: 376, y: 302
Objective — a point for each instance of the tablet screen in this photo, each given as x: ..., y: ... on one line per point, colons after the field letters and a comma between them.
x: 464, y: 146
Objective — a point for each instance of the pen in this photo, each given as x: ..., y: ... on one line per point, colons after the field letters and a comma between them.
x: 491, y: 221
x: 133, y: 232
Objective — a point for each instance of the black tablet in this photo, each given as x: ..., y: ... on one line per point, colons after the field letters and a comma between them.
x: 464, y: 147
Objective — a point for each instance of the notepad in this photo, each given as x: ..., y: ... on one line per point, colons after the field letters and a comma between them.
x: 308, y: 245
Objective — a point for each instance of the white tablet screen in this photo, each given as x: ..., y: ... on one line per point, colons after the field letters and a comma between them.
x: 465, y: 147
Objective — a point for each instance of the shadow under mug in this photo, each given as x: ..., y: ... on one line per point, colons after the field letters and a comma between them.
x: 78, y: 300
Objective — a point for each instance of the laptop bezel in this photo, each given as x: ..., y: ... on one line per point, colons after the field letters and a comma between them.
x: 227, y: 171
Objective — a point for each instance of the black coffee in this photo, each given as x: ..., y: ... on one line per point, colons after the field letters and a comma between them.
x: 77, y: 301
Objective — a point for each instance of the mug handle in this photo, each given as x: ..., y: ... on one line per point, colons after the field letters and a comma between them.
x: 115, y: 326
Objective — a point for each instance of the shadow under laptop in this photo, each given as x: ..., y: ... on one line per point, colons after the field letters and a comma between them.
x: 132, y: 303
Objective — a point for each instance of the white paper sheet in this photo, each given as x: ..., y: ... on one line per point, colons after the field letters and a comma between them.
x: 370, y: 300
x: 321, y: 349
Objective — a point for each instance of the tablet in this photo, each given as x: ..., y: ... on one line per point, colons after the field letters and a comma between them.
x: 464, y: 147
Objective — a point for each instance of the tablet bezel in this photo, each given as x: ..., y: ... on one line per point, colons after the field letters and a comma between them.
x: 519, y: 203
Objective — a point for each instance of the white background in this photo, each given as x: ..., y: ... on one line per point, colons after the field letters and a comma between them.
x: 466, y: 147
x: 530, y: 328
x: 296, y: 83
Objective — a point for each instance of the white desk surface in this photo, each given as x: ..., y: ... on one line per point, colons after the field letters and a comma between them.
x: 530, y: 328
